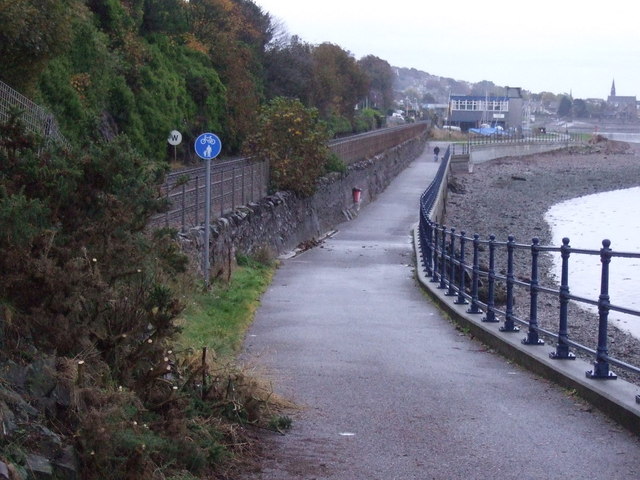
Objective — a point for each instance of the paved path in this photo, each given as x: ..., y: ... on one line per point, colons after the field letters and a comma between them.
x: 391, y: 390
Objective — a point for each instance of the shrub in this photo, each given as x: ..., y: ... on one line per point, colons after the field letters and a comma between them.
x: 293, y: 139
x: 339, y: 126
x: 335, y: 164
x: 77, y: 267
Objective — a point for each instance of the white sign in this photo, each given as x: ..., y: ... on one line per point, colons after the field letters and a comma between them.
x: 175, y: 137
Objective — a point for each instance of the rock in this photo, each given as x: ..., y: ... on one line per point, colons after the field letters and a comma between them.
x: 40, y: 378
x: 14, y: 374
x: 456, y: 186
x: 39, y: 467
x: 8, y: 423
x: 65, y: 465
x: 18, y: 405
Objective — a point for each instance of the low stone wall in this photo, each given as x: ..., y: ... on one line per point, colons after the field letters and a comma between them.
x: 281, y: 222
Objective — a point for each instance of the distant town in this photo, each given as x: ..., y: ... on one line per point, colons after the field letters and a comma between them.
x: 469, y: 105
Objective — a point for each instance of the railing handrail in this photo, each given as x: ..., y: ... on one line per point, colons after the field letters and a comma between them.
x: 444, y: 251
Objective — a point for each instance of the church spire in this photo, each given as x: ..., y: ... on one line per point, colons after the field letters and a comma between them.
x: 613, y: 88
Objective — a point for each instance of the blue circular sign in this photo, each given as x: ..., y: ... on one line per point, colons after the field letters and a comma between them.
x: 208, y: 146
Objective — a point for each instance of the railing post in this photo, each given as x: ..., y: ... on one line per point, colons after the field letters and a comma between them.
x: 184, y: 206
x: 601, y: 366
x: 461, y: 300
x: 509, y: 326
x: 435, y: 277
x: 242, y: 186
x: 452, y: 265
x: 443, y: 258
x: 233, y: 188
x: 197, y: 200
x: 221, y: 192
x: 265, y: 180
x: 168, y: 206
x: 428, y: 246
x: 476, y: 275
x: 532, y: 337
x: 491, y: 315
x: 562, y: 349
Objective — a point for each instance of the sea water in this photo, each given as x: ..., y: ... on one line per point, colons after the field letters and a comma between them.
x: 588, y: 220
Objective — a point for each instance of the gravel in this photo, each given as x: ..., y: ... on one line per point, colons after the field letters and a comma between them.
x: 510, y: 196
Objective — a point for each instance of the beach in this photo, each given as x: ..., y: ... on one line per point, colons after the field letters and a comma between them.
x: 510, y: 196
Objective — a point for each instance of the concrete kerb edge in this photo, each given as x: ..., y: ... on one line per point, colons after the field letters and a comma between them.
x: 615, y: 398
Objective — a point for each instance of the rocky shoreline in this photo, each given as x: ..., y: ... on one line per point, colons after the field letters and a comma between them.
x: 510, y: 196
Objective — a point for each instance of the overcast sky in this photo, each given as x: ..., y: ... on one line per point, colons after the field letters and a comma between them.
x: 560, y: 46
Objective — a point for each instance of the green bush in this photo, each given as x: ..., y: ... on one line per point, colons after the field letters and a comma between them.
x: 367, y: 119
x: 293, y: 139
x: 339, y: 126
x: 335, y: 164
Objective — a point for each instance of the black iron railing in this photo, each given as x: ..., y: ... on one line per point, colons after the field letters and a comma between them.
x: 460, y: 264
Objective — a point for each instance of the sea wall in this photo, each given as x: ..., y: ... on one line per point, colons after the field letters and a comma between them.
x: 483, y: 153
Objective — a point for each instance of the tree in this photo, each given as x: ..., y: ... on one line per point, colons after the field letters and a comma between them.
x: 483, y: 88
x: 564, y: 108
x: 32, y: 32
x: 293, y: 139
x: 548, y: 98
x: 338, y: 83
x: 380, y: 77
x: 580, y: 108
x: 235, y: 32
x: 168, y: 16
x: 289, y: 70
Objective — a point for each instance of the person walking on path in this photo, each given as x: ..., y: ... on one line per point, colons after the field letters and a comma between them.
x: 436, y: 153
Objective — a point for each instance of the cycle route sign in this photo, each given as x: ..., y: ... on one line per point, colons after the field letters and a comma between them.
x: 208, y: 146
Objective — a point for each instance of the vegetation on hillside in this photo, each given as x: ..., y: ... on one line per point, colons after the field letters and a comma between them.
x: 85, y: 289
x: 146, y: 67
x: 96, y: 302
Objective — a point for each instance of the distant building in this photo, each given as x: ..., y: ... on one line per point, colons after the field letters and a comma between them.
x: 621, y: 107
x: 472, y: 111
x: 436, y: 111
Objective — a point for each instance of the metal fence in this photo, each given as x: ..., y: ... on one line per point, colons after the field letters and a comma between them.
x: 36, y: 119
x: 234, y: 183
x: 459, y: 264
x: 365, y: 145
x: 240, y: 181
x: 479, y: 141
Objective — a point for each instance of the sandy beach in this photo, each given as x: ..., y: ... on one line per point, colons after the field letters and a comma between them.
x: 510, y: 196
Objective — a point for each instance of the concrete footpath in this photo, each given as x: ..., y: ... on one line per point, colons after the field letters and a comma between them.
x: 390, y: 389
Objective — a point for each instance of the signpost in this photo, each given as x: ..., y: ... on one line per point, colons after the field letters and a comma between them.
x: 207, y: 146
x: 175, y: 137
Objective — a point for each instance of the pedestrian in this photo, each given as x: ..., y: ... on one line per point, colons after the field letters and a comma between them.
x: 436, y: 152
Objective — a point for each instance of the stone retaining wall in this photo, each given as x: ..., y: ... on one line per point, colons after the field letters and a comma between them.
x: 281, y: 222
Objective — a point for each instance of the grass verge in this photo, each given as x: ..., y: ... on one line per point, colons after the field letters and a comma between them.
x: 219, y: 318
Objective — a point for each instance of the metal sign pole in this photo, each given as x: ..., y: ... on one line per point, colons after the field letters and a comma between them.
x: 207, y: 147
x: 207, y: 223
